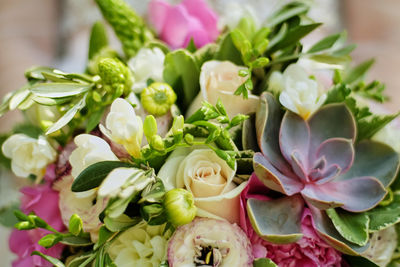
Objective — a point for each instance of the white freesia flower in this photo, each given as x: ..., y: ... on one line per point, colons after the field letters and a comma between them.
x: 141, y: 245
x: 123, y: 182
x: 124, y: 127
x: 219, y: 80
x: 233, y: 12
x: 300, y: 93
x: 147, y: 64
x: 28, y: 155
x: 208, y: 178
x: 88, y: 211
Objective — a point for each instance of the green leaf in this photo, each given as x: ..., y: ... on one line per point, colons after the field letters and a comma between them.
x: 98, y: 39
x: 35, y: 73
x: 358, y: 72
x: 369, y: 126
x: 104, y: 236
x: 67, y: 117
x: 352, y: 226
x: 121, y: 222
x: 94, y: 119
x: 46, y: 101
x: 331, y: 59
x: 264, y: 262
x: 382, y: 217
x: 325, y: 43
x: 78, y: 241
x: 19, y: 97
x: 55, y: 77
x: 287, y: 12
x: 92, y: 176
x: 228, y: 51
x: 182, y: 73
x: 77, y: 261
x: 344, y: 51
x: 241, y: 43
x: 7, y: 217
x: 59, y: 90
x: 28, y: 129
x: 54, y: 261
x: 191, y: 47
x: 292, y: 37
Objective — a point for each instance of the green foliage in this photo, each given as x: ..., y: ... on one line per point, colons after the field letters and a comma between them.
x: 182, y: 73
x: 352, y: 226
x: 384, y: 216
x: 128, y: 26
x: 7, y: 217
x: 98, y: 39
x: 116, y: 77
x: 93, y: 176
x: 264, y: 262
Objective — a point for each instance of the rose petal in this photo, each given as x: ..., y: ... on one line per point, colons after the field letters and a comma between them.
x: 158, y: 11
x: 176, y: 27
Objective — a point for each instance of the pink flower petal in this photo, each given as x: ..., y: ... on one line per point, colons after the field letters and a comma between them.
x: 176, y: 27
x: 158, y: 11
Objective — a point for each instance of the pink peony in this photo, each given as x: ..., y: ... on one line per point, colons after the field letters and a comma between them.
x: 43, y: 201
x: 310, y: 251
x: 177, y: 24
x: 23, y: 243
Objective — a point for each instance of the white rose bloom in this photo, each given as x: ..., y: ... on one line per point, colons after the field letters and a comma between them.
x: 69, y: 204
x: 219, y: 80
x: 140, y: 245
x: 124, y: 127
x: 300, y: 93
x: 28, y: 155
x: 208, y: 178
x: 147, y: 64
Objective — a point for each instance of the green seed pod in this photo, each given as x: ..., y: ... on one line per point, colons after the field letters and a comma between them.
x: 179, y: 206
x: 158, y: 98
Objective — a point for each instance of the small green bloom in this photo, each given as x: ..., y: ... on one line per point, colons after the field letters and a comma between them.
x: 116, y: 78
x: 179, y: 206
x: 158, y: 98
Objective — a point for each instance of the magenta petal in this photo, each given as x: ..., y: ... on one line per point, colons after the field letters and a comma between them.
x: 208, y: 18
x: 197, y: 33
x: 294, y: 135
x: 158, y: 11
x: 274, y: 179
x: 356, y: 195
x: 176, y: 27
x: 337, y: 151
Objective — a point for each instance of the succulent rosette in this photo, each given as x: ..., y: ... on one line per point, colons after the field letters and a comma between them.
x: 317, y: 162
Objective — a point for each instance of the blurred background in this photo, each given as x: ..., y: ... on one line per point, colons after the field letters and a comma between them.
x: 56, y: 33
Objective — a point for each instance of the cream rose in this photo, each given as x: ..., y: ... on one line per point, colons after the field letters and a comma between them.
x: 219, y: 80
x: 140, y: 245
x: 208, y: 178
x: 28, y: 155
x: 70, y: 204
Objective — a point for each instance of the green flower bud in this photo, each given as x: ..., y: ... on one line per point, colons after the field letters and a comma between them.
x: 75, y: 225
x: 157, y: 143
x: 150, y: 127
x: 189, y: 139
x: 158, y: 98
x: 177, y: 125
x: 179, y: 206
x: 24, y: 226
x: 116, y: 77
x: 49, y: 240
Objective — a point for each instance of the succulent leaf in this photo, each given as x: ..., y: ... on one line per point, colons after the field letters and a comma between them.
x: 249, y: 137
x: 357, y: 195
x: 327, y: 231
x: 273, y: 178
x: 283, y: 223
x: 333, y: 120
x: 374, y: 159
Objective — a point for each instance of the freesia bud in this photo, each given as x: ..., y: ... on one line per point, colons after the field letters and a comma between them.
x: 177, y: 125
x: 150, y: 127
x: 49, y: 240
x: 24, y: 226
x: 75, y: 225
x: 157, y: 143
x: 179, y: 206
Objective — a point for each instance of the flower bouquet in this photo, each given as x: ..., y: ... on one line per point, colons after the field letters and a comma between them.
x: 251, y: 156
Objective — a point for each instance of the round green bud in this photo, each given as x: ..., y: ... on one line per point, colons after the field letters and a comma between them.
x: 177, y: 125
x: 157, y: 143
x: 179, y: 206
x: 49, y: 240
x: 158, y: 98
x: 189, y: 139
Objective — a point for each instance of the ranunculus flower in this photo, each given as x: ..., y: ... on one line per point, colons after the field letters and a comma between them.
x: 148, y: 63
x: 219, y: 80
x: 140, y: 245
x: 208, y: 178
x: 178, y: 24
x: 299, y: 93
x: 28, y: 155
x: 309, y: 251
x: 23, y: 243
x: 124, y: 127
x: 43, y: 201
x: 85, y: 207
